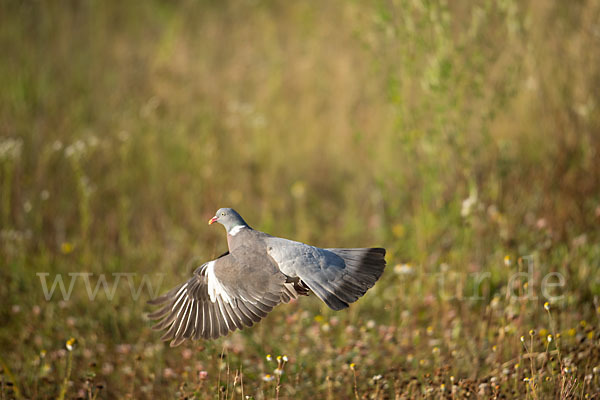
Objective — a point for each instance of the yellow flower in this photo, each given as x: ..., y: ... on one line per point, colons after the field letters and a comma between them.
x: 70, y: 344
x: 66, y: 248
x: 269, y: 358
x: 352, y: 366
x: 507, y: 261
x: 547, y: 306
x: 398, y: 230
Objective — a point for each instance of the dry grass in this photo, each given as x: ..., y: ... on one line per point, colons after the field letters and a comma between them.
x: 463, y: 138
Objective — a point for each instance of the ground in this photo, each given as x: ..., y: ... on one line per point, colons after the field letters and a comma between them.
x: 462, y: 137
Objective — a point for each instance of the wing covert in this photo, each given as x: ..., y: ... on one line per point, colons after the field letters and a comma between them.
x: 223, y: 295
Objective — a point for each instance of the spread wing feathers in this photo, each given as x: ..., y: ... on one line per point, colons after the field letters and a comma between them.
x: 221, y: 297
x: 336, y: 276
x: 288, y: 293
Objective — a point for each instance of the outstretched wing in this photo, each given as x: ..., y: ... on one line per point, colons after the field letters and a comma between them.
x: 225, y: 294
x: 336, y: 276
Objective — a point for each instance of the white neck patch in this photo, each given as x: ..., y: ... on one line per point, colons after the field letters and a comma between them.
x: 236, y: 229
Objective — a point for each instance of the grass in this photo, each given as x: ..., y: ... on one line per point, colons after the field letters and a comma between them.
x: 461, y: 137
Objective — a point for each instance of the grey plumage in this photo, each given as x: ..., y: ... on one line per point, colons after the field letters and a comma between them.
x: 259, y: 272
x: 247, y: 295
x: 336, y: 276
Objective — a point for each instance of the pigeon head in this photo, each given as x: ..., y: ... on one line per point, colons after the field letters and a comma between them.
x: 229, y: 218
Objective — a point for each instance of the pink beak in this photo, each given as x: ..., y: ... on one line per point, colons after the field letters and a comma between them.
x: 212, y: 220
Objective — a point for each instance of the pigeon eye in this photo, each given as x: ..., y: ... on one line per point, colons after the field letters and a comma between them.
x: 222, y: 214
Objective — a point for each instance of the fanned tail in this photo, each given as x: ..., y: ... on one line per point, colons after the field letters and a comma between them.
x: 363, y: 267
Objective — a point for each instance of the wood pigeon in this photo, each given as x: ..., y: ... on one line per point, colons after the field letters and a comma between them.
x: 259, y: 272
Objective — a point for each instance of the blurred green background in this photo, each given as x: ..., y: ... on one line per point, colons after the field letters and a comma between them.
x: 461, y: 136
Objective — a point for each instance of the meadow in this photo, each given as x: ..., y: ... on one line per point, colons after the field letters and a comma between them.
x: 464, y: 137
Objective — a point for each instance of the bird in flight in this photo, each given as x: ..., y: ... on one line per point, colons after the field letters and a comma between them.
x: 259, y: 272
